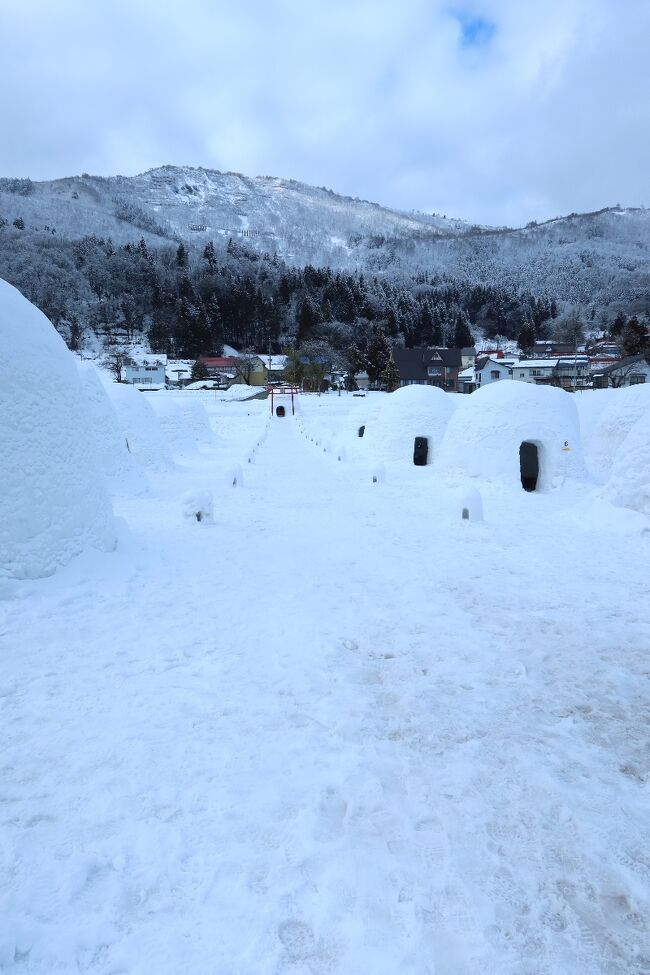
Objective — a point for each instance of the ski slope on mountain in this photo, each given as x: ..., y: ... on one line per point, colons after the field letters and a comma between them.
x: 340, y: 730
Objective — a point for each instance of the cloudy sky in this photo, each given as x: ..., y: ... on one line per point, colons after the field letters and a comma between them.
x: 498, y: 111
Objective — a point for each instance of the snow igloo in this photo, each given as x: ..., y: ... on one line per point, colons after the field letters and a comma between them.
x: 517, y: 433
x: 623, y: 409
x: 361, y: 417
x: 629, y: 483
x: 140, y: 425
x: 410, y: 425
x: 53, y: 499
x: 116, y: 462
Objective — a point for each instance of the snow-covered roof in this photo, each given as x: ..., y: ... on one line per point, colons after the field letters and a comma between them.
x: 466, y: 373
x: 274, y: 363
x: 53, y: 501
x: 537, y: 363
x: 140, y: 359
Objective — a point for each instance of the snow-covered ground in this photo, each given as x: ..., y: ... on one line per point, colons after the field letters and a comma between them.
x: 339, y: 730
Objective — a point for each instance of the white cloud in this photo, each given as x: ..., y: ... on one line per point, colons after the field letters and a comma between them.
x: 497, y: 111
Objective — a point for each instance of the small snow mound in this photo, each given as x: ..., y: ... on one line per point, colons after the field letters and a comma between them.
x: 470, y: 504
x: 409, y: 412
x: 629, y: 484
x: 489, y: 428
x: 235, y: 477
x: 140, y: 426
x: 198, y: 506
x: 53, y: 499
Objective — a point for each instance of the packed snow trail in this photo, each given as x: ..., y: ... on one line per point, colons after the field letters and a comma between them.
x: 333, y: 733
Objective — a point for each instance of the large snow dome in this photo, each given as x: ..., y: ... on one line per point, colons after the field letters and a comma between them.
x: 183, y: 420
x: 629, y: 484
x: 518, y: 433
x: 411, y: 412
x: 140, y: 426
x: 114, y: 458
x: 53, y: 500
x: 624, y: 408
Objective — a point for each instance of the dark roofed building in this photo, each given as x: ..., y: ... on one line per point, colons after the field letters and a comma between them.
x: 547, y: 348
x: 428, y: 367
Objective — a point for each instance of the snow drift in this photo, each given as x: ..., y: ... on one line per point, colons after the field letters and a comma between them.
x: 53, y: 502
x: 486, y: 433
x: 409, y: 412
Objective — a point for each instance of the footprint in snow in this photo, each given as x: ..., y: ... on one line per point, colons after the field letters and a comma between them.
x: 331, y: 815
x: 297, y: 939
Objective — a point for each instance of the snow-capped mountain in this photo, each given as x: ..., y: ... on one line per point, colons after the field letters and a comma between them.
x: 594, y: 258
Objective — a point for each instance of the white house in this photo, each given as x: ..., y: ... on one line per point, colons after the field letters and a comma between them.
x: 532, y: 370
x: 488, y: 371
x: 146, y: 370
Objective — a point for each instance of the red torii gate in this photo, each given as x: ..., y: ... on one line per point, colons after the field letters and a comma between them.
x: 283, y: 391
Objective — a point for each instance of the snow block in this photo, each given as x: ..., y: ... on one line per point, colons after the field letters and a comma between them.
x: 53, y: 498
x: 198, y: 506
x: 378, y: 474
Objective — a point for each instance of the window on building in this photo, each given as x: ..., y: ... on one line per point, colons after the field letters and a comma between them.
x: 494, y: 374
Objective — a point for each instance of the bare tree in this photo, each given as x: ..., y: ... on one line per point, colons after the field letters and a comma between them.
x: 115, y: 363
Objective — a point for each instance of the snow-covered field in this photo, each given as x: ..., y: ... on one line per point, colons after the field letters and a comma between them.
x: 337, y: 730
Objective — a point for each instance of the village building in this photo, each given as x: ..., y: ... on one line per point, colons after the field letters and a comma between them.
x: 428, y: 367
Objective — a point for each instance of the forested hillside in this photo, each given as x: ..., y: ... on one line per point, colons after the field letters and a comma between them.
x: 189, y: 259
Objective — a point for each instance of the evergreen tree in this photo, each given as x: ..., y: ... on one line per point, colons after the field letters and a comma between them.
x: 181, y: 255
x: 526, y: 338
x: 463, y: 337
x: 635, y: 338
x: 390, y: 377
x: 379, y: 353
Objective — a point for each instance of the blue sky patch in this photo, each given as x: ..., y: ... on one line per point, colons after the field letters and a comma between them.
x: 476, y: 31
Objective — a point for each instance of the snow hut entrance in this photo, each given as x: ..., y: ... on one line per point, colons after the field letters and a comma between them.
x: 279, y: 411
x: 362, y: 430
x: 420, y: 451
x: 529, y: 465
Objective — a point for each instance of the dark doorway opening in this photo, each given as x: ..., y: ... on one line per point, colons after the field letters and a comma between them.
x: 279, y: 411
x: 362, y: 430
x: 420, y: 451
x: 529, y: 465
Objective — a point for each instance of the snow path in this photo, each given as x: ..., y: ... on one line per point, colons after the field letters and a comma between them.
x: 333, y: 733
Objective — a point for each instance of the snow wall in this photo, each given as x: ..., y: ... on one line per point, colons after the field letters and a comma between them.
x: 485, y: 434
x: 409, y: 412
x: 140, y: 426
x: 114, y: 458
x: 53, y: 498
x: 624, y: 407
